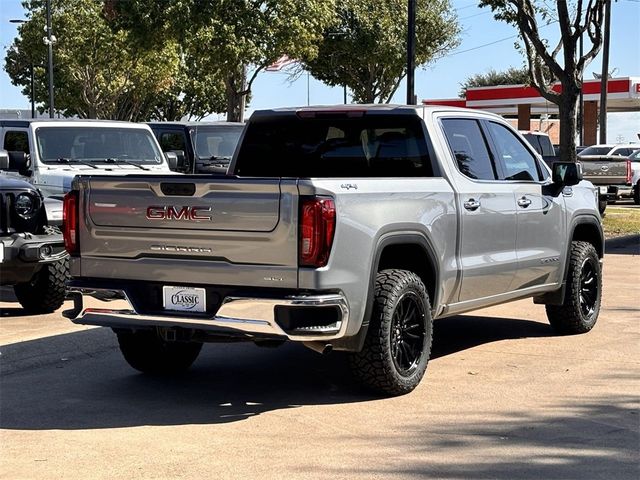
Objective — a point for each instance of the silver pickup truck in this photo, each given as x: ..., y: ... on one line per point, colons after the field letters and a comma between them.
x: 345, y: 228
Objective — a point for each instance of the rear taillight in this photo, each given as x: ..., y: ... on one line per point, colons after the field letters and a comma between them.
x: 629, y: 172
x: 70, y: 223
x: 317, y: 226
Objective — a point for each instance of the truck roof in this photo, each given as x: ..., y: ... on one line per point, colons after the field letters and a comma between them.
x: 370, y: 109
x: 61, y: 121
x: 195, y: 124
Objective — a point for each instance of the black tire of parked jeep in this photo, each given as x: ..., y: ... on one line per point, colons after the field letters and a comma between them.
x: 636, y: 193
x: 45, y: 292
x: 398, y: 343
x: 602, y: 205
x: 145, y: 351
x: 583, y: 295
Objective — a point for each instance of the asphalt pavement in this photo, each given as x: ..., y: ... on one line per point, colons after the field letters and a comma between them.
x: 504, y: 397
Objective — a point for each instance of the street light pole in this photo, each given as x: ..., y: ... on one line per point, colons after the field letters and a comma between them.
x: 31, y: 75
x: 411, y: 52
x: 49, y: 43
x: 33, y: 92
x: 605, y: 72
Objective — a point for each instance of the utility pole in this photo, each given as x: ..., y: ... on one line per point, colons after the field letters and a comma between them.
x: 49, y: 41
x: 33, y: 92
x: 581, y: 100
x: 411, y: 53
x: 605, y: 72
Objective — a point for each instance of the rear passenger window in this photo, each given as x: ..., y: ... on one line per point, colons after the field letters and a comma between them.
x: 329, y: 145
x: 516, y: 160
x: 469, y: 147
x: 16, y: 142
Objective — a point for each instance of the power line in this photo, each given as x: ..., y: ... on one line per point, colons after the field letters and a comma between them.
x: 482, y: 46
x: 495, y: 41
x: 475, y: 15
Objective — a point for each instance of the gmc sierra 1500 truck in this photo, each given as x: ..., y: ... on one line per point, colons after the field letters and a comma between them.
x: 348, y: 228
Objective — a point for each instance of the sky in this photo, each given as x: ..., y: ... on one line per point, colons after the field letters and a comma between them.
x: 485, y: 44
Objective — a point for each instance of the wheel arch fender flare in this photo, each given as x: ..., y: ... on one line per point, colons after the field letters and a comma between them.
x: 409, y: 238
x: 582, y: 227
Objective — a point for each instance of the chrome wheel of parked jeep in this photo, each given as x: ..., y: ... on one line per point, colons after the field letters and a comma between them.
x: 398, y: 343
x: 583, y: 294
x: 407, y: 333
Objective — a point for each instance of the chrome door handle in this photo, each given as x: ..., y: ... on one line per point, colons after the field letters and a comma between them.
x: 471, y: 204
x: 524, y: 202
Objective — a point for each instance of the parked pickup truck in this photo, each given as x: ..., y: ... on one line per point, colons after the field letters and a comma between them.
x: 611, y: 174
x: 345, y: 228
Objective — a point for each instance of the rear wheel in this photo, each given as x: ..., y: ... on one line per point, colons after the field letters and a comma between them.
x: 147, y: 352
x: 636, y: 193
x: 398, y: 343
x: 581, y: 306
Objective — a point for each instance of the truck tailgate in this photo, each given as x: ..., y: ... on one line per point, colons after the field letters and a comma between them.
x: 189, y: 229
x: 604, y: 170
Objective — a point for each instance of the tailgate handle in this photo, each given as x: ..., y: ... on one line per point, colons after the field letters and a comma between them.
x: 178, y: 189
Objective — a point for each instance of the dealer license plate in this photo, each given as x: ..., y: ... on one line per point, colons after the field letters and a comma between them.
x: 184, y: 299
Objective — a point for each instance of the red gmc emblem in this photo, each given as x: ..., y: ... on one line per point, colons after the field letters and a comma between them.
x: 178, y: 213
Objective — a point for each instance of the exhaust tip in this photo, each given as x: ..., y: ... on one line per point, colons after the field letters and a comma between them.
x: 319, y: 347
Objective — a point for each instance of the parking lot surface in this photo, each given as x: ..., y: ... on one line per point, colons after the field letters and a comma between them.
x: 504, y: 397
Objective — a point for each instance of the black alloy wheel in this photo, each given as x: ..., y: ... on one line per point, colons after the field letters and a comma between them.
x: 407, y: 333
x: 588, y: 287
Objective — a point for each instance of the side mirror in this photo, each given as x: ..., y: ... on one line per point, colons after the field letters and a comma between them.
x: 181, y: 158
x: 4, y: 160
x: 20, y: 162
x: 567, y: 173
x: 172, y: 160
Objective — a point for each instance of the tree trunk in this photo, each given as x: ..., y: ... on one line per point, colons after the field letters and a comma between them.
x: 234, y: 86
x: 568, y: 123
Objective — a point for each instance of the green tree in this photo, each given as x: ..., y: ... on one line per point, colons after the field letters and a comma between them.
x: 104, y: 72
x: 365, y: 49
x: 574, y: 19
x: 235, y: 38
x: 492, y: 77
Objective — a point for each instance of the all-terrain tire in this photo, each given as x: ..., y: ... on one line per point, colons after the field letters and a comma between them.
x: 636, y: 193
x: 147, y: 352
x: 46, y: 290
x: 583, y: 295
x: 398, y: 343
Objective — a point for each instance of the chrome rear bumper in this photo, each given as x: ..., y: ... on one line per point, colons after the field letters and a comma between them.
x: 252, y: 316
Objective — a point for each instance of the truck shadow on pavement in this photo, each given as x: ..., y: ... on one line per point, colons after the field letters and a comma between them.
x: 582, y: 438
x: 80, y: 381
x: 627, y: 245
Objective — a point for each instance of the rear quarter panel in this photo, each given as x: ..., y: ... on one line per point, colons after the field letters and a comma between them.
x: 368, y: 210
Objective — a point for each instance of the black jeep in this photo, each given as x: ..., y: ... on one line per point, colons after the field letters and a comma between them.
x: 32, y: 254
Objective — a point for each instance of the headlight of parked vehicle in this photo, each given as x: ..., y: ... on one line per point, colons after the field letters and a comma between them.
x: 27, y: 205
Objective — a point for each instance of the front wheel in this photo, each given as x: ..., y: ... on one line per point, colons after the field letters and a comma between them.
x: 583, y: 295
x: 398, y: 343
x: 147, y: 352
x: 45, y: 292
